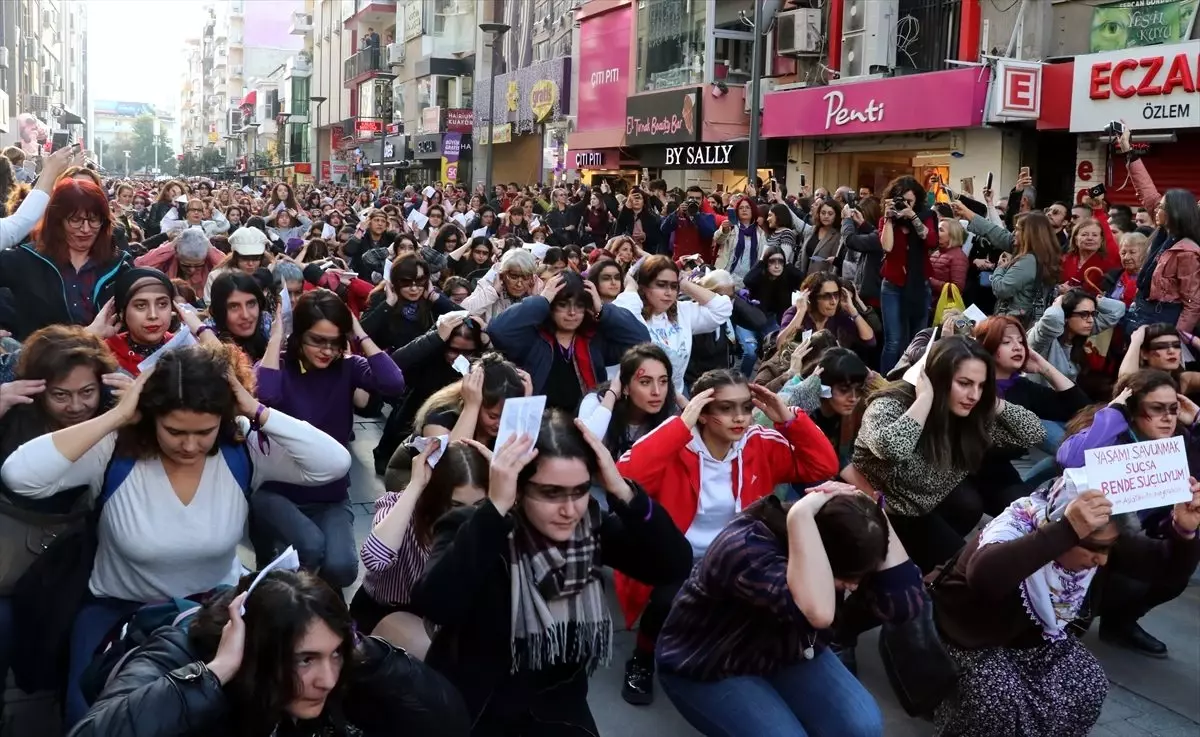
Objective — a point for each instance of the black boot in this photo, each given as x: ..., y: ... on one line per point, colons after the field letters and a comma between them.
x: 639, y: 679
x: 1132, y: 637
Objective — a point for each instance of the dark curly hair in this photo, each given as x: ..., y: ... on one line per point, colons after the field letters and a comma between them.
x: 191, y: 379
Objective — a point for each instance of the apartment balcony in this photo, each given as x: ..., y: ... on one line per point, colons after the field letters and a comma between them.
x: 377, y: 13
x: 364, y: 65
x: 302, y: 23
x: 298, y: 66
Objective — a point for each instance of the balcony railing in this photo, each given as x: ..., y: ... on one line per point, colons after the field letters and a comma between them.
x: 927, y: 34
x: 364, y: 62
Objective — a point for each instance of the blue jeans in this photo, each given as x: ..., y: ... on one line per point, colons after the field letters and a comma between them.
x: 748, y: 340
x: 1045, y: 468
x: 93, y: 623
x: 901, y: 322
x: 815, y: 697
x: 323, y: 535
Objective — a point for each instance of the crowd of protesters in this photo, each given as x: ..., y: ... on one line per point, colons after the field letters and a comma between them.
x: 772, y: 423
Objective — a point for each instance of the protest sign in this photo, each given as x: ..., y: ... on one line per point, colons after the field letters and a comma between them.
x: 1143, y: 475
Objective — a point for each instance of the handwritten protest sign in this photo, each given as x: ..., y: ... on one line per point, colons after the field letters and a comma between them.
x: 1142, y: 475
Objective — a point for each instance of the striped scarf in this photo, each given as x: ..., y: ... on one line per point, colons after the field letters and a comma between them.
x: 559, y: 614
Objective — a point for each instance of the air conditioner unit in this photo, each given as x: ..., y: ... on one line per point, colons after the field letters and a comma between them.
x: 3, y: 57
x: 31, y: 49
x: 764, y: 86
x: 47, y: 18
x: 799, y: 31
x: 868, y: 36
x: 395, y: 54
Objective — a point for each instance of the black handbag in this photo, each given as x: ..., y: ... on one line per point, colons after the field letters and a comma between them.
x: 921, y: 672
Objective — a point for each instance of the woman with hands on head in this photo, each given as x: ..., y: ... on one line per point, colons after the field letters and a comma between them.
x: 565, y: 338
x: 467, y: 408
x: 923, y: 447
x: 826, y: 304
x: 404, y: 307
x: 312, y: 376
x: 173, y: 516
x: 652, y: 296
x: 634, y: 402
x: 292, y: 661
x: 737, y: 462
x: 1062, y: 332
x: 744, y: 650
x: 515, y: 585
x: 1160, y: 346
x: 1007, y: 604
x: 396, y: 551
x: 1147, y: 406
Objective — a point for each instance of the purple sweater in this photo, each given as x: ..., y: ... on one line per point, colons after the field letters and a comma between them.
x: 325, y: 399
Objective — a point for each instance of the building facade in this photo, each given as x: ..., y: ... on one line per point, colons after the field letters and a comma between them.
x: 43, y: 65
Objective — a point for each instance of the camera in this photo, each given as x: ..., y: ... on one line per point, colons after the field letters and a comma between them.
x: 851, y: 199
x: 1114, y: 128
x: 693, y: 207
x: 899, y: 203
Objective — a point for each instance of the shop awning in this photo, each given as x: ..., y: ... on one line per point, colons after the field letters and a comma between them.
x: 250, y: 99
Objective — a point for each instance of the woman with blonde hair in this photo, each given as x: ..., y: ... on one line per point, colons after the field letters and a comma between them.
x: 948, y: 264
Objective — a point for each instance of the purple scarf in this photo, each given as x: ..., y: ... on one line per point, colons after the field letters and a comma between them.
x: 1003, y: 385
x: 745, y: 232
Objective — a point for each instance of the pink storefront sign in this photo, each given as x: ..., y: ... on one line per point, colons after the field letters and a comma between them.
x: 603, y: 69
x: 934, y: 101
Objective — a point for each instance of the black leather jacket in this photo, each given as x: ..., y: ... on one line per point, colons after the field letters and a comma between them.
x: 164, y: 690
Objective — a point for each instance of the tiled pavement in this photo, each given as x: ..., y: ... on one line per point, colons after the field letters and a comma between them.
x: 1147, y: 698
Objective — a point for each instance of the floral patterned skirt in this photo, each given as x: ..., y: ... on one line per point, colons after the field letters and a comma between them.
x: 1055, y: 690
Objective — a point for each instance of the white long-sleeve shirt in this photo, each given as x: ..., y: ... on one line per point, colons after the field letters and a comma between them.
x: 675, y: 338
x: 153, y: 547
x: 15, y: 227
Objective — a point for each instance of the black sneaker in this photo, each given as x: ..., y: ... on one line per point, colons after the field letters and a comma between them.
x: 1133, y: 637
x: 639, y: 681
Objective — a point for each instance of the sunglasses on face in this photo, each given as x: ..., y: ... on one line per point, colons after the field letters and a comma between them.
x: 829, y: 296
x: 410, y: 283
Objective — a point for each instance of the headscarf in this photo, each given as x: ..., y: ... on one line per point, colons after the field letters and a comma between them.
x: 1052, y: 595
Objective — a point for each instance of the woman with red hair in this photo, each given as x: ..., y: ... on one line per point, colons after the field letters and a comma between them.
x: 740, y: 241
x: 69, y: 271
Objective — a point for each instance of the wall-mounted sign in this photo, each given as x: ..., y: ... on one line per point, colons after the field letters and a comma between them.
x: 428, y: 146
x: 431, y: 120
x: 731, y: 155
x: 460, y: 119
x: 1152, y: 88
x: 596, y: 159
x: 368, y: 126
x: 542, y: 98
x: 514, y: 95
x: 672, y: 116
x: 1018, y: 91
x: 394, y: 129
x: 412, y: 19
x: 500, y: 134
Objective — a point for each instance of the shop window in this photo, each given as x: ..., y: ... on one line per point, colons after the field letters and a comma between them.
x: 467, y: 89
x: 670, y: 43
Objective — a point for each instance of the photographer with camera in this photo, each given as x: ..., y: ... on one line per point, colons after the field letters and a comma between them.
x: 690, y: 228
x: 908, y: 234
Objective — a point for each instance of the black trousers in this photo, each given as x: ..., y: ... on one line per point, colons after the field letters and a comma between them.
x: 931, y: 539
x: 654, y: 616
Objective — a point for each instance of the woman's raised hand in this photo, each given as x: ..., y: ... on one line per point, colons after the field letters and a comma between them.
x: 695, y: 406
x: 610, y: 478
x: 507, y: 462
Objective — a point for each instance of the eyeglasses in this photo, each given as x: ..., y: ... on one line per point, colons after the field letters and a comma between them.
x: 331, y: 344
x: 91, y: 221
x: 410, y: 283
x: 556, y: 494
x: 1173, y: 345
x: 1156, y: 410
x: 1085, y: 314
x: 829, y: 296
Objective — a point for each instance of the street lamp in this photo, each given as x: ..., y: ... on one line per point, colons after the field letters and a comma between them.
x: 317, y: 128
x: 495, y: 31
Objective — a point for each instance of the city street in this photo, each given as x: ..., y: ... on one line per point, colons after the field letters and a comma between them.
x: 1146, y: 697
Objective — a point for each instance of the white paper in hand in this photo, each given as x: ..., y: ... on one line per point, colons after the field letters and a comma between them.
x: 285, y: 310
x: 387, y: 270
x: 417, y: 219
x: 182, y: 339
x: 805, y: 336
x: 288, y: 560
x: 521, y: 416
x: 428, y: 191
x: 974, y: 314
x: 613, y: 371
x: 537, y: 249
x: 462, y: 366
x: 914, y: 371
x: 438, y: 442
